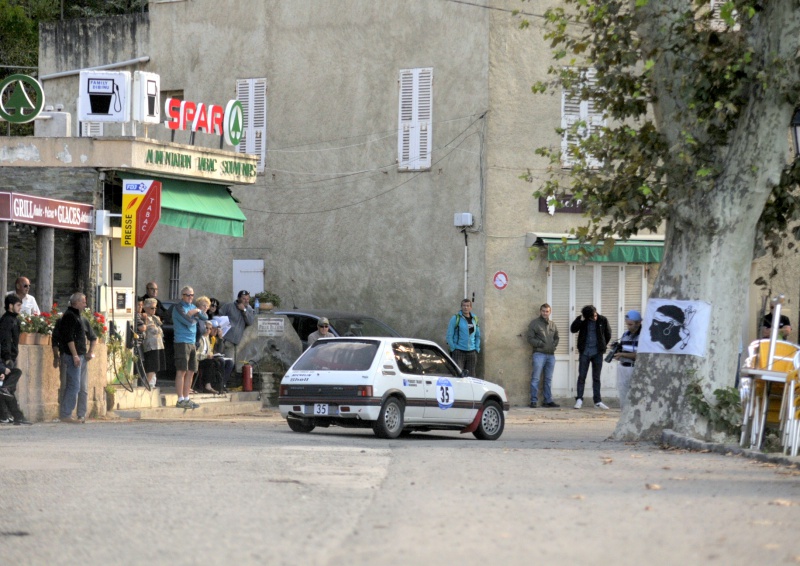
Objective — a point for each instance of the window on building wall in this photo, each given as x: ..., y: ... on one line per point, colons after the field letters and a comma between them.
x: 252, y: 93
x: 171, y: 265
x: 579, y: 118
x: 91, y: 129
x: 613, y: 288
x: 415, y: 132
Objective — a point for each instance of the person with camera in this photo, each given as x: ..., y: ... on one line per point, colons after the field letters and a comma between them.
x: 626, y: 355
x: 594, y: 334
x: 240, y: 315
x: 543, y: 337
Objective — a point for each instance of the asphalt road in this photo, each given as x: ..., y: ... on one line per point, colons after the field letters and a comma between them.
x: 249, y: 491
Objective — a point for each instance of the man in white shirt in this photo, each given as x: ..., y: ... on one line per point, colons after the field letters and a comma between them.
x: 29, y: 305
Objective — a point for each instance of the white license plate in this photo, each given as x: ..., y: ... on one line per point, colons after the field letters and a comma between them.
x: 320, y: 409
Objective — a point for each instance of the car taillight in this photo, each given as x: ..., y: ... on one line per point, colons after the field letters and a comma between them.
x: 284, y: 391
x: 364, y: 391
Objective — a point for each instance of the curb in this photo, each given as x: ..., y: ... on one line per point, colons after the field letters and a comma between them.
x: 675, y: 440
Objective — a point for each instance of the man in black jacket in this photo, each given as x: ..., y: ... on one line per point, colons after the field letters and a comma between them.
x: 9, y: 348
x: 594, y: 335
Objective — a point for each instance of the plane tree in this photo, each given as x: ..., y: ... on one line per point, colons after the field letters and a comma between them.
x: 692, y: 103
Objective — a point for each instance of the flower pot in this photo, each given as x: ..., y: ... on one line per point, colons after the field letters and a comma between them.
x: 27, y: 338
x: 43, y: 339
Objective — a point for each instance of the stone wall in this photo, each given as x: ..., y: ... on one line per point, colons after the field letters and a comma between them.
x: 38, y: 390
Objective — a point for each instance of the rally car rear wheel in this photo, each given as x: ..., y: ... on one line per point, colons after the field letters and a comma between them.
x: 390, y: 420
x: 492, y: 422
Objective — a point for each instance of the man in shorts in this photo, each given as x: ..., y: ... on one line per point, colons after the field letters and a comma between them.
x: 184, y: 319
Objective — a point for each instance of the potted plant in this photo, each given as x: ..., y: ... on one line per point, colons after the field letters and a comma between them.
x: 267, y: 300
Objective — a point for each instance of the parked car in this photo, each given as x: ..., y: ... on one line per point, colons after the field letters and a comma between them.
x: 341, y: 323
x: 393, y: 385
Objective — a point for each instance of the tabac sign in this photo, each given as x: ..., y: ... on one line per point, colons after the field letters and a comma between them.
x: 39, y: 211
x: 141, y: 211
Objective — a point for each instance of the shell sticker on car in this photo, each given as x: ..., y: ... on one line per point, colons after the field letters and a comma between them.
x: 445, y: 394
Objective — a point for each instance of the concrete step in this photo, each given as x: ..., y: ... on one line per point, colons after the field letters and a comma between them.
x: 236, y: 403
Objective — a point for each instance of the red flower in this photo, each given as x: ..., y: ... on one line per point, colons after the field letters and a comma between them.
x: 105, y: 329
x: 46, y: 314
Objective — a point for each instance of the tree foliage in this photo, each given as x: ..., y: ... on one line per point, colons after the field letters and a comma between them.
x: 675, y: 82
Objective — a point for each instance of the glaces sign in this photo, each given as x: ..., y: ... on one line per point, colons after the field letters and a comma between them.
x: 209, y: 118
x: 26, y: 209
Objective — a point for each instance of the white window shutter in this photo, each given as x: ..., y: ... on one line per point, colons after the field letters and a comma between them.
x: 91, y: 129
x: 574, y: 110
x: 252, y: 93
x: 415, y: 132
x: 560, y: 295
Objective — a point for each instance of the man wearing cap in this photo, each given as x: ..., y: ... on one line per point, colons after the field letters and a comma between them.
x: 241, y: 315
x: 629, y: 345
x: 322, y: 331
x: 784, y: 325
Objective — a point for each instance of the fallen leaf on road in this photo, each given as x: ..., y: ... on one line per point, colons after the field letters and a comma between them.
x: 771, y: 546
x: 648, y: 508
x: 652, y: 486
x: 607, y: 460
x: 666, y: 468
x: 706, y: 451
x: 782, y: 502
x: 763, y: 522
x: 636, y: 455
x: 678, y: 478
x: 578, y: 497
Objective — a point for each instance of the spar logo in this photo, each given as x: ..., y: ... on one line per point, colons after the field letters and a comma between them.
x: 209, y: 118
x: 16, y: 105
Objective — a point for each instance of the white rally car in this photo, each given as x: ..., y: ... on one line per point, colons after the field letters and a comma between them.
x: 393, y: 385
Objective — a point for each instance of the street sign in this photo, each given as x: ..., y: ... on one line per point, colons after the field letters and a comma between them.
x: 19, y: 108
x: 141, y: 211
x: 500, y: 280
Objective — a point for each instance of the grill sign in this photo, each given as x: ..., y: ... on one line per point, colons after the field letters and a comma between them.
x: 26, y: 209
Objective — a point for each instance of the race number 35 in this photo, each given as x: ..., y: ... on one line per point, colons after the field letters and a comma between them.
x: 445, y: 395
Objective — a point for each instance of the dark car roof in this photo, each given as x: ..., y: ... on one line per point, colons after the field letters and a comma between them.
x: 332, y: 314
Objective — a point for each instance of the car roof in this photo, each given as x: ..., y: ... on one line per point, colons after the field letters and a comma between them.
x: 384, y: 339
x: 327, y: 313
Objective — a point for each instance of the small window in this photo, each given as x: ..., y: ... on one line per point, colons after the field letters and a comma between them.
x: 406, y: 358
x: 415, y: 133
x: 433, y: 362
x: 252, y: 93
x: 579, y: 118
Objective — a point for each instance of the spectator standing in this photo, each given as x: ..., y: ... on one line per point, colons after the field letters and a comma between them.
x: 9, y: 349
x: 184, y: 319
x: 543, y: 337
x: 152, y: 342
x: 322, y: 331
x: 74, y: 333
x: 29, y: 306
x: 151, y: 292
x: 241, y: 315
x: 464, y: 338
x: 218, y: 347
x: 594, y: 335
x: 213, y: 310
x: 629, y: 345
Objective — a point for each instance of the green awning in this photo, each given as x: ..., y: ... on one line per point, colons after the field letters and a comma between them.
x: 197, y: 206
x: 632, y: 251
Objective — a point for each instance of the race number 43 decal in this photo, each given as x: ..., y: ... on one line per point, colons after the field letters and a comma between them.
x: 445, y: 394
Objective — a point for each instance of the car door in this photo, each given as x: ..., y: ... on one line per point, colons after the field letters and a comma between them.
x: 448, y: 396
x: 411, y: 379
